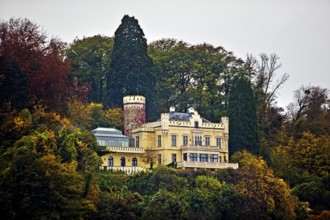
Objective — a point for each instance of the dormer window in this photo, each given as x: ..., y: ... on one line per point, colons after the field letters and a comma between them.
x: 196, y: 124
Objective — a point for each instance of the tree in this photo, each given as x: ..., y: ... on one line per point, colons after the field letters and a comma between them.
x: 50, y: 85
x: 266, y: 84
x: 310, y: 112
x: 98, y: 115
x: 203, y: 198
x: 242, y: 114
x: 315, y: 191
x: 265, y: 75
x: 149, y: 157
x: 215, y: 69
x: 115, y: 117
x: 149, y: 183
x: 130, y: 71
x: 193, y: 75
x: 20, y: 48
x: 80, y: 114
x: 264, y: 195
x: 32, y: 70
x: 175, y: 65
x: 92, y: 115
x: 36, y: 184
x: 305, y: 156
x: 166, y: 205
x: 89, y: 58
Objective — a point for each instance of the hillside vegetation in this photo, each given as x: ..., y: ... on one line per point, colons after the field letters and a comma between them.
x: 53, y: 94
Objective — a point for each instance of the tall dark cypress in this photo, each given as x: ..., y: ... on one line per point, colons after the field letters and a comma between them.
x: 130, y: 71
x: 243, y: 133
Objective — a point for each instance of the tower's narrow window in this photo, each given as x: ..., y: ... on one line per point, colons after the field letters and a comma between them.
x: 122, y: 162
x: 134, y: 162
x: 110, y: 161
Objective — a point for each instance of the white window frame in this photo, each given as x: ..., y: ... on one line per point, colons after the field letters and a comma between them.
x: 137, y: 141
x: 218, y: 141
x: 207, y: 141
x: 159, y: 159
x: 173, y: 140
x: 197, y: 140
x: 185, y: 140
x: 205, y: 157
x: 174, y: 157
x: 159, y: 140
x: 193, y: 158
x: 214, y: 158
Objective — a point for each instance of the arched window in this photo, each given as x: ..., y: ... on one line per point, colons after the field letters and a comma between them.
x: 122, y: 162
x: 110, y: 161
x: 134, y: 162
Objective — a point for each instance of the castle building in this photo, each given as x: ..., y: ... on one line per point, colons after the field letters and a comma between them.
x: 184, y: 140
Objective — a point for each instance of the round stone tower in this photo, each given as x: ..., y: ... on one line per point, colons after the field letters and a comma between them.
x: 134, y: 112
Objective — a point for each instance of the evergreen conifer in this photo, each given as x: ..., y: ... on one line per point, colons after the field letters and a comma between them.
x: 130, y: 71
x: 243, y: 119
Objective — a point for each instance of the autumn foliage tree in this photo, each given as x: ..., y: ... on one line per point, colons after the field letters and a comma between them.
x: 42, y: 167
x: 32, y: 69
x: 263, y: 194
x: 50, y: 84
x: 306, y: 156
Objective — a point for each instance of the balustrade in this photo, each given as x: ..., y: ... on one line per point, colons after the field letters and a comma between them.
x: 209, y: 165
x: 128, y: 170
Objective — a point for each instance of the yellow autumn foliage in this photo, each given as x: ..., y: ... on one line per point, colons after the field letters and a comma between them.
x: 308, y: 155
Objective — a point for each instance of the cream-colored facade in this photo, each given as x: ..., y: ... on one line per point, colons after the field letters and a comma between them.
x: 126, y: 159
x: 186, y: 140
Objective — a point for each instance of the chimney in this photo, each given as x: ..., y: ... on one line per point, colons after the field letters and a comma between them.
x: 191, y: 110
x: 172, y: 109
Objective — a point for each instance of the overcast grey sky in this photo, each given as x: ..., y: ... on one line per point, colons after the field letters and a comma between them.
x: 298, y: 31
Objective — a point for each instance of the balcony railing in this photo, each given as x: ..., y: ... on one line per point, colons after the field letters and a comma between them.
x: 208, y: 165
x: 137, y: 150
x: 128, y: 170
x: 202, y: 148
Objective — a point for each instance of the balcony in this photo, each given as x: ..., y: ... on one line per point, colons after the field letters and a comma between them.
x: 136, y: 150
x: 206, y: 165
x: 128, y: 170
x: 203, y: 148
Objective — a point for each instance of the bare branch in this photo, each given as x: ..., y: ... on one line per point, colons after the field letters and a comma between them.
x: 278, y: 84
x: 266, y: 69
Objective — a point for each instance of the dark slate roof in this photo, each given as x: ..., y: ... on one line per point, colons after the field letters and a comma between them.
x: 205, y: 120
x: 179, y: 116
